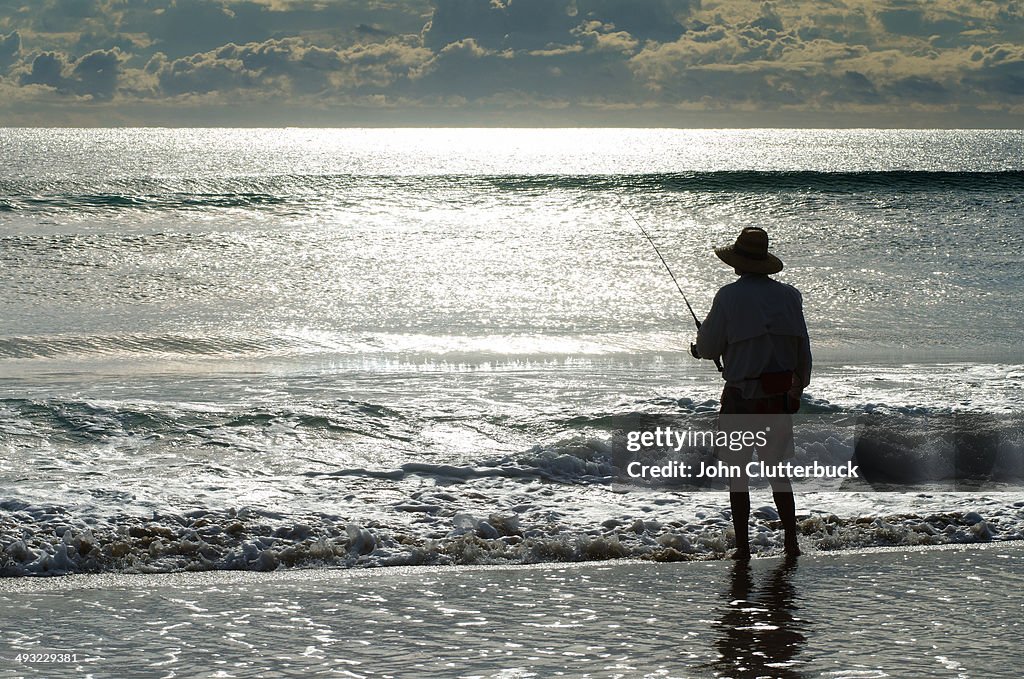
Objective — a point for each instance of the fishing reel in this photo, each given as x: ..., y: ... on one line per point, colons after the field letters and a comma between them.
x: 696, y: 354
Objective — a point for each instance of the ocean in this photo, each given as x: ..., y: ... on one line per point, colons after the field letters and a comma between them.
x: 258, y: 349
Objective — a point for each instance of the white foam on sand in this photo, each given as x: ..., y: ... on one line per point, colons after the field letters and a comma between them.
x: 946, y: 611
x: 501, y: 522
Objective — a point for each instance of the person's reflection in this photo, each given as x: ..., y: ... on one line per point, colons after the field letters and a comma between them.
x: 760, y: 636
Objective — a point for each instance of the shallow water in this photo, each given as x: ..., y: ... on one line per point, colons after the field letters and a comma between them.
x: 938, y: 613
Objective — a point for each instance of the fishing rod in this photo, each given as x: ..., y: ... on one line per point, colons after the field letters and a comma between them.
x: 650, y: 240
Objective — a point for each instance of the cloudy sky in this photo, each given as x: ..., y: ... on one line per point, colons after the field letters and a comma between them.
x: 679, y: 63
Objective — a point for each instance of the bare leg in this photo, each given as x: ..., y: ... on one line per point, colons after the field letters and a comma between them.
x: 739, y: 502
x: 782, y: 492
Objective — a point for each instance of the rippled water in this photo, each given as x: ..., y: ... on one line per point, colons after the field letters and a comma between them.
x: 217, y: 242
x: 378, y: 339
x: 936, y: 613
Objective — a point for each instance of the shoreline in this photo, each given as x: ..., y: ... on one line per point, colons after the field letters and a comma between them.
x: 870, y: 612
x: 74, y: 581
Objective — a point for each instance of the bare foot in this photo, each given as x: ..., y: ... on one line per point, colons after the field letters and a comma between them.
x: 792, y: 548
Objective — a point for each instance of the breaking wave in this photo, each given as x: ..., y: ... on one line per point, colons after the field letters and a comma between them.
x: 296, y: 192
x: 52, y: 540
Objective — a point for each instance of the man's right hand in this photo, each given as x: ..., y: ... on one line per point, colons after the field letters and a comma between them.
x: 793, y: 399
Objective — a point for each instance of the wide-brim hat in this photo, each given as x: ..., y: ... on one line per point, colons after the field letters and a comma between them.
x: 750, y: 252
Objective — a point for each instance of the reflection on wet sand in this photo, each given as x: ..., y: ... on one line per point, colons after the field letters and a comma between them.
x: 760, y: 633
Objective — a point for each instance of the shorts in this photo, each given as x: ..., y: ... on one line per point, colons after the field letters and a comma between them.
x: 754, y: 425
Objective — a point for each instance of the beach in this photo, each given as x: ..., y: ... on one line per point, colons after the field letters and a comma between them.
x: 938, y: 612
x: 445, y: 338
x: 394, y: 402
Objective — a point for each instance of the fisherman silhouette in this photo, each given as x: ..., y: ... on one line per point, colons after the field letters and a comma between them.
x: 760, y: 633
x: 756, y: 327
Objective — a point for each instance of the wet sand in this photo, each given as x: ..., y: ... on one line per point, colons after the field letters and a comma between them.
x: 946, y: 611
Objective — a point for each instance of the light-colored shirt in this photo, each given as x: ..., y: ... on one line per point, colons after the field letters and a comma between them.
x: 756, y: 325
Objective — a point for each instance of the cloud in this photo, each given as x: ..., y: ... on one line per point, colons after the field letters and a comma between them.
x: 381, y: 65
x: 650, y: 20
x: 590, y: 70
x: 190, y: 26
x: 863, y: 56
x: 289, y: 66
x: 789, y: 61
x: 96, y: 74
x: 180, y: 28
x: 47, y: 69
x: 337, y: 23
x: 769, y: 19
x: 10, y: 50
x: 199, y: 74
x: 603, y: 37
x: 537, y: 24
x: 999, y: 73
x: 499, y: 24
x: 466, y: 69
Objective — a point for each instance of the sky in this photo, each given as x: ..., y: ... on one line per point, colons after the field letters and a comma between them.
x: 622, y: 63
